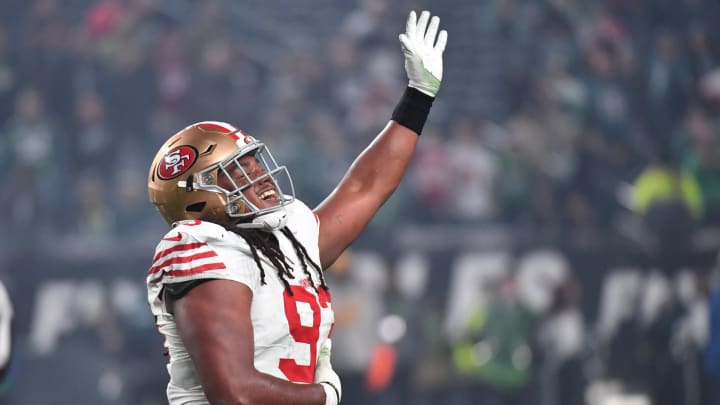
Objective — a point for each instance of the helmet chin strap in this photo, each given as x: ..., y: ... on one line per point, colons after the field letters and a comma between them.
x: 267, y: 222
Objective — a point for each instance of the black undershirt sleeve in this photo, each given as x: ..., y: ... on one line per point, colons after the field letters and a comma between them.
x: 175, y: 291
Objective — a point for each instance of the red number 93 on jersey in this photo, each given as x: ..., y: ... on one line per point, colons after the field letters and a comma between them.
x: 303, y: 330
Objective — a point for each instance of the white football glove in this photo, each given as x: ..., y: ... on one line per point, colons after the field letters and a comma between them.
x: 423, y: 55
x: 326, y: 376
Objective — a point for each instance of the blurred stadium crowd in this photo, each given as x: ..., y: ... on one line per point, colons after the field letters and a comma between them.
x: 554, y: 243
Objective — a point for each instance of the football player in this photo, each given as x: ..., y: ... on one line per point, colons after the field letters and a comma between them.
x: 236, y: 285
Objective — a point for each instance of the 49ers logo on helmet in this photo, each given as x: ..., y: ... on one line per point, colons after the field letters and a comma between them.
x: 177, y: 161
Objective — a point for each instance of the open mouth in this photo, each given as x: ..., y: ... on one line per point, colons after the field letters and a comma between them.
x: 270, y: 196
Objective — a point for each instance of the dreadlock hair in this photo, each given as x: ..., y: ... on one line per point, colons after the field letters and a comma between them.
x: 268, y: 244
x: 304, y: 258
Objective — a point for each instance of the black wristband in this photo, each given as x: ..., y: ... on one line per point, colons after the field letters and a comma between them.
x: 413, y: 109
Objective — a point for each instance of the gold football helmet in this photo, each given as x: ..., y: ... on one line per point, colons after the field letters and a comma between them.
x: 183, y: 178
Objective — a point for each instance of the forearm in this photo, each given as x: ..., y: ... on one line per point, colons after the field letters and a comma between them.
x: 369, y: 182
x: 377, y: 171
x: 264, y: 389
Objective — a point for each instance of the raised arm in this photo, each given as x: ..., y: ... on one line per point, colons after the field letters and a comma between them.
x: 377, y: 171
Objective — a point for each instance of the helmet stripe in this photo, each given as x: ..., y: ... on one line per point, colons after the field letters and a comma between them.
x: 221, y: 126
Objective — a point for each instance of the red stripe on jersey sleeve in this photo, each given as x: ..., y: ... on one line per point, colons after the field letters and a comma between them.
x: 181, y: 260
x: 197, y: 269
x: 194, y: 270
x: 178, y: 248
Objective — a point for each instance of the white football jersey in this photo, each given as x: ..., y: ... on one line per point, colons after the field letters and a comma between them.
x: 285, y: 346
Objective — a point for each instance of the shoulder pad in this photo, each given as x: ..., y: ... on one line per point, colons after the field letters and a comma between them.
x: 202, y: 231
